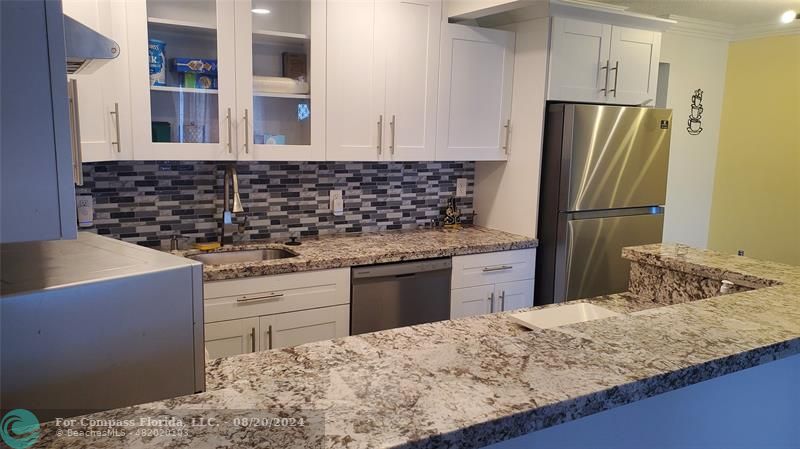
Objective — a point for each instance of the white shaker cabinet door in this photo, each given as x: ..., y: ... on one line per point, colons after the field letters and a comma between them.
x: 633, y: 73
x: 472, y: 301
x: 475, y: 81
x: 514, y: 295
x: 103, y: 96
x: 579, y: 58
x: 232, y: 337
x: 412, y: 63
x: 296, y: 328
x: 355, y: 80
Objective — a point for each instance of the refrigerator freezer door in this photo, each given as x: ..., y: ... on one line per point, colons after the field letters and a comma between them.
x: 614, y: 157
x: 593, y: 261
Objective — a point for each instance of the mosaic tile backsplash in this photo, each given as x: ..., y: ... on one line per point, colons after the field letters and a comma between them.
x: 148, y: 202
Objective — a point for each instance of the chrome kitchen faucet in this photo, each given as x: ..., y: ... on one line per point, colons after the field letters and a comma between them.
x: 229, y: 228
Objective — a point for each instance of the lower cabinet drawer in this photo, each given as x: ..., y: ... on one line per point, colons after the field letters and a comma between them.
x: 491, y: 268
x: 267, y: 295
x: 232, y: 337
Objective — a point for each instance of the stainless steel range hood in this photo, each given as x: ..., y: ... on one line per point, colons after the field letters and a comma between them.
x: 86, y: 48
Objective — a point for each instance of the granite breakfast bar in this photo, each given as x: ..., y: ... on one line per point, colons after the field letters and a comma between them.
x: 477, y: 381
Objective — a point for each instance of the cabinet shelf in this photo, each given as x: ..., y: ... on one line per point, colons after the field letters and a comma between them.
x: 179, y: 25
x: 279, y: 95
x: 187, y: 90
x: 279, y: 37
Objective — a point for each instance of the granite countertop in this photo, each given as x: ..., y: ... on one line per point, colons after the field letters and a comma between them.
x: 472, y: 382
x: 337, y: 251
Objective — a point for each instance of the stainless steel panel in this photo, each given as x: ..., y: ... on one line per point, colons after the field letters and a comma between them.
x: 614, y: 157
x: 593, y: 260
x: 396, y: 295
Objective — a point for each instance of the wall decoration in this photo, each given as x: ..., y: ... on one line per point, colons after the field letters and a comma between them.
x: 695, y: 125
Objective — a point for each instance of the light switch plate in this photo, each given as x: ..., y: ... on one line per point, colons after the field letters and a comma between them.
x: 461, y: 187
x: 335, y: 196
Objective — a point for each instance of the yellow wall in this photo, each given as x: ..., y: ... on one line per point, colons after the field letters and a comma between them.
x: 756, y: 201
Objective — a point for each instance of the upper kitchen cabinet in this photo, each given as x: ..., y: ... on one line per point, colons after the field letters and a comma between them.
x: 280, y: 76
x: 183, y: 79
x: 382, y: 68
x: 103, y: 97
x: 36, y: 172
x: 600, y: 63
x: 475, y: 86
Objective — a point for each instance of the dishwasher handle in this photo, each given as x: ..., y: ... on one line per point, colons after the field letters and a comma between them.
x: 401, y: 269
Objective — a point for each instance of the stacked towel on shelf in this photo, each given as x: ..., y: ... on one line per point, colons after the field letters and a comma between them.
x: 277, y: 84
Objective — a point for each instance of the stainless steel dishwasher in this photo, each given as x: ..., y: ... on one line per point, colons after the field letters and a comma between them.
x: 399, y: 294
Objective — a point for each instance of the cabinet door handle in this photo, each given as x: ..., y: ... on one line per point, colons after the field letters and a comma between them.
x: 380, y: 133
x: 253, y: 339
x: 502, y: 300
x: 115, y: 114
x: 507, y: 126
x: 605, y: 84
x: 269, y: 337
x: 392, y: 126
x: 616, y: 77
x: 259, y: 298
x: 75, y: 123
x: 246, y: 132
x: 230, y: 137
x: 491, y: 302
x: 498, y: 268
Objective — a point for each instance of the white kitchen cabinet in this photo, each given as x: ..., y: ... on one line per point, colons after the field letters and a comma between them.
x: 306, y: 326
x: 492, y: 282
x: 283, y: 310
x: 513, y: 295
x: 471, y: 301
x: 276, y: 122
x: 382, y: 68
x: 601, y: 63
x: 579, y: 57
x: 174, y: 122
x: 103, y: 97
x: 634, y: 65
x: 37, y: 193
x: 474, y: 95
x: 227, y: 338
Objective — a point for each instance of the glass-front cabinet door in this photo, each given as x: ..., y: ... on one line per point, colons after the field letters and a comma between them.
x: 183, y: 79
x: 280, y: 79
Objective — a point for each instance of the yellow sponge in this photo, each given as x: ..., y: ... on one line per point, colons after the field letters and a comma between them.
x: 207, y: 246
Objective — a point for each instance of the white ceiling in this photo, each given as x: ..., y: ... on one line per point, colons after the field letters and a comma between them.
x: 733, y: 12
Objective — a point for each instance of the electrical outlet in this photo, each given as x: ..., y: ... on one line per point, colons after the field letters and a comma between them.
x: 461, y: 187
x: 336, y: 202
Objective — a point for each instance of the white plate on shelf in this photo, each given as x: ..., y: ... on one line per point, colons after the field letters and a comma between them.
x: 563, y: 315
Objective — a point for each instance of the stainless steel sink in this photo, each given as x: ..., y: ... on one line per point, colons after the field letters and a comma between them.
x: 250, y: 255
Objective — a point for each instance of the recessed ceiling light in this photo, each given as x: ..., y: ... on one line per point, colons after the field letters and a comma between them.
x: 259, y: 11
x: 789, y: 16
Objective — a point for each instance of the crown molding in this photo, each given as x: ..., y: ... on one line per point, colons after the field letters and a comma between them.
x: 769, y: 29
x: 706, y: 29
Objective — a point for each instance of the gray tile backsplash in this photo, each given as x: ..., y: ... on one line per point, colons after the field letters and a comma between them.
x: 148, y: 202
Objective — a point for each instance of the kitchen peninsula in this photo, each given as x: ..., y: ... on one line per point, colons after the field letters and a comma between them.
x: 478, y: 381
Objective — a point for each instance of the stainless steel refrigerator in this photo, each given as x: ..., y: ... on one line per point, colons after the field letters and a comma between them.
x: 604, y: 179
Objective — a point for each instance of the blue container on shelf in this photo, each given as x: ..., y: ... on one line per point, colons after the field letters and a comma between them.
x: 158, y: 68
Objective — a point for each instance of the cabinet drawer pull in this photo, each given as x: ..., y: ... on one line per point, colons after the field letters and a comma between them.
x: 259, y: 298
x: 269, y: 337
x: 502, y: 300
x: 392, y: 126
x: 246, y: 132
x: 507, y: 126
x: 380, y: 133
x: 491, y: 302
x: 605, y: 84
x: 253, y: 339
x: 616, y: 76
x: 498, y: 268
x: 115, y: 113
x: 230, y: 138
